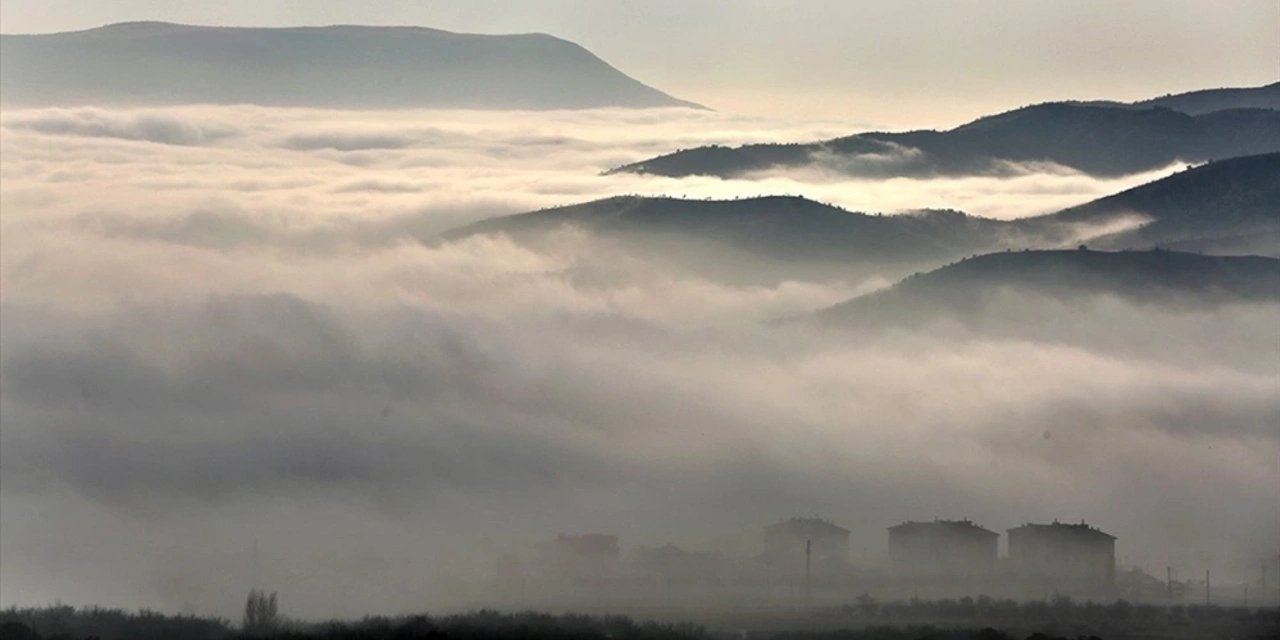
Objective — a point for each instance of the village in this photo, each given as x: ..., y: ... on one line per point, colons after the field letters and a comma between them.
x: 806, y: 560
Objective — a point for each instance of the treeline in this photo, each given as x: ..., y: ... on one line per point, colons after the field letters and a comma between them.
x: 991, y: 610
x: 963, y: 619
x: 514, y: 629
x: 920, y: 633
x: 492, y: 625
x: 69, y: 623
x: 63, y: 622
x: 1059, y: 617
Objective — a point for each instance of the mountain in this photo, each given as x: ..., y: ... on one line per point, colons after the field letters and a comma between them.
x: 969, y: 290
x: 1095, y: 138
x: 337, y: 66
x: 1208, y: 100
x: 1226, y: 207
x: 774, y: 237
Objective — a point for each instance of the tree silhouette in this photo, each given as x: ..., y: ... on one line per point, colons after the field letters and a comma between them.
x: 261, y: 614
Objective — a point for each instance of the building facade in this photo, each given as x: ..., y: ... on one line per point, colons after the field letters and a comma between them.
x: 792, y: 545
x: 590, y: 558
x: 669, y: 566
x: 1069, y: 559
x: 942, y: 553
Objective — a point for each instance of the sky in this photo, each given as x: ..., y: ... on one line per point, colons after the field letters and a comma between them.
x: 909, y: 63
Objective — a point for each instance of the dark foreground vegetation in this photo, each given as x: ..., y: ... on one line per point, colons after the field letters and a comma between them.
x: 917, y: 620
x: 64, y: 622
x: 1059, y: 617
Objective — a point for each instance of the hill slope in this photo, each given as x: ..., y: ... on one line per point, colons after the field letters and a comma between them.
x: 1230, y: 206
x: 339, y: 66
x: 966, y: 290
x: 1095, y: 138
x: 795, y: 234
x: 1207, y: 100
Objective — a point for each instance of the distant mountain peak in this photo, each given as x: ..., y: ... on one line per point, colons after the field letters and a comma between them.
x: 344, y: 66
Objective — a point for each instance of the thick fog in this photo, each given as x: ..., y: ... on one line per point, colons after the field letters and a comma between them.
x: 232, y: 356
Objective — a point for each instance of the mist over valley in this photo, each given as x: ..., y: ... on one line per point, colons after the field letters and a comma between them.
x: 450, y: 347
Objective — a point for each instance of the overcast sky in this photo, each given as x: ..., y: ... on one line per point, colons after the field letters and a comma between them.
x: 899, y: 63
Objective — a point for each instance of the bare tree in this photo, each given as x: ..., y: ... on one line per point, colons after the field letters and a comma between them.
x: 261, y: 614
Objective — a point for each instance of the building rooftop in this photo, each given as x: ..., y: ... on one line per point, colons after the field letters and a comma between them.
x: 588, y: 543
x: 1076, y: 529
x: 807, y: 526
x: 960, y: 526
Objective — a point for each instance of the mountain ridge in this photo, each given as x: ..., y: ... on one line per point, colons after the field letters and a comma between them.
x: 1092, y: 137
x: 344, y: 66
x: 796, y: 236
x: 768, y: 215
x: 1201, y: 101
x: 1228, y: 206
x: 966, y: 288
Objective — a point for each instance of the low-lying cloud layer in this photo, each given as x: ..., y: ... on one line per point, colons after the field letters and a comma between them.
x: 221, y: 332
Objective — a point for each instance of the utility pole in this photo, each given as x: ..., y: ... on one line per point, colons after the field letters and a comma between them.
x: 1168, y: 583
x: 1206, y: 587
x: 254, y: 568
x: 808, y: 549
